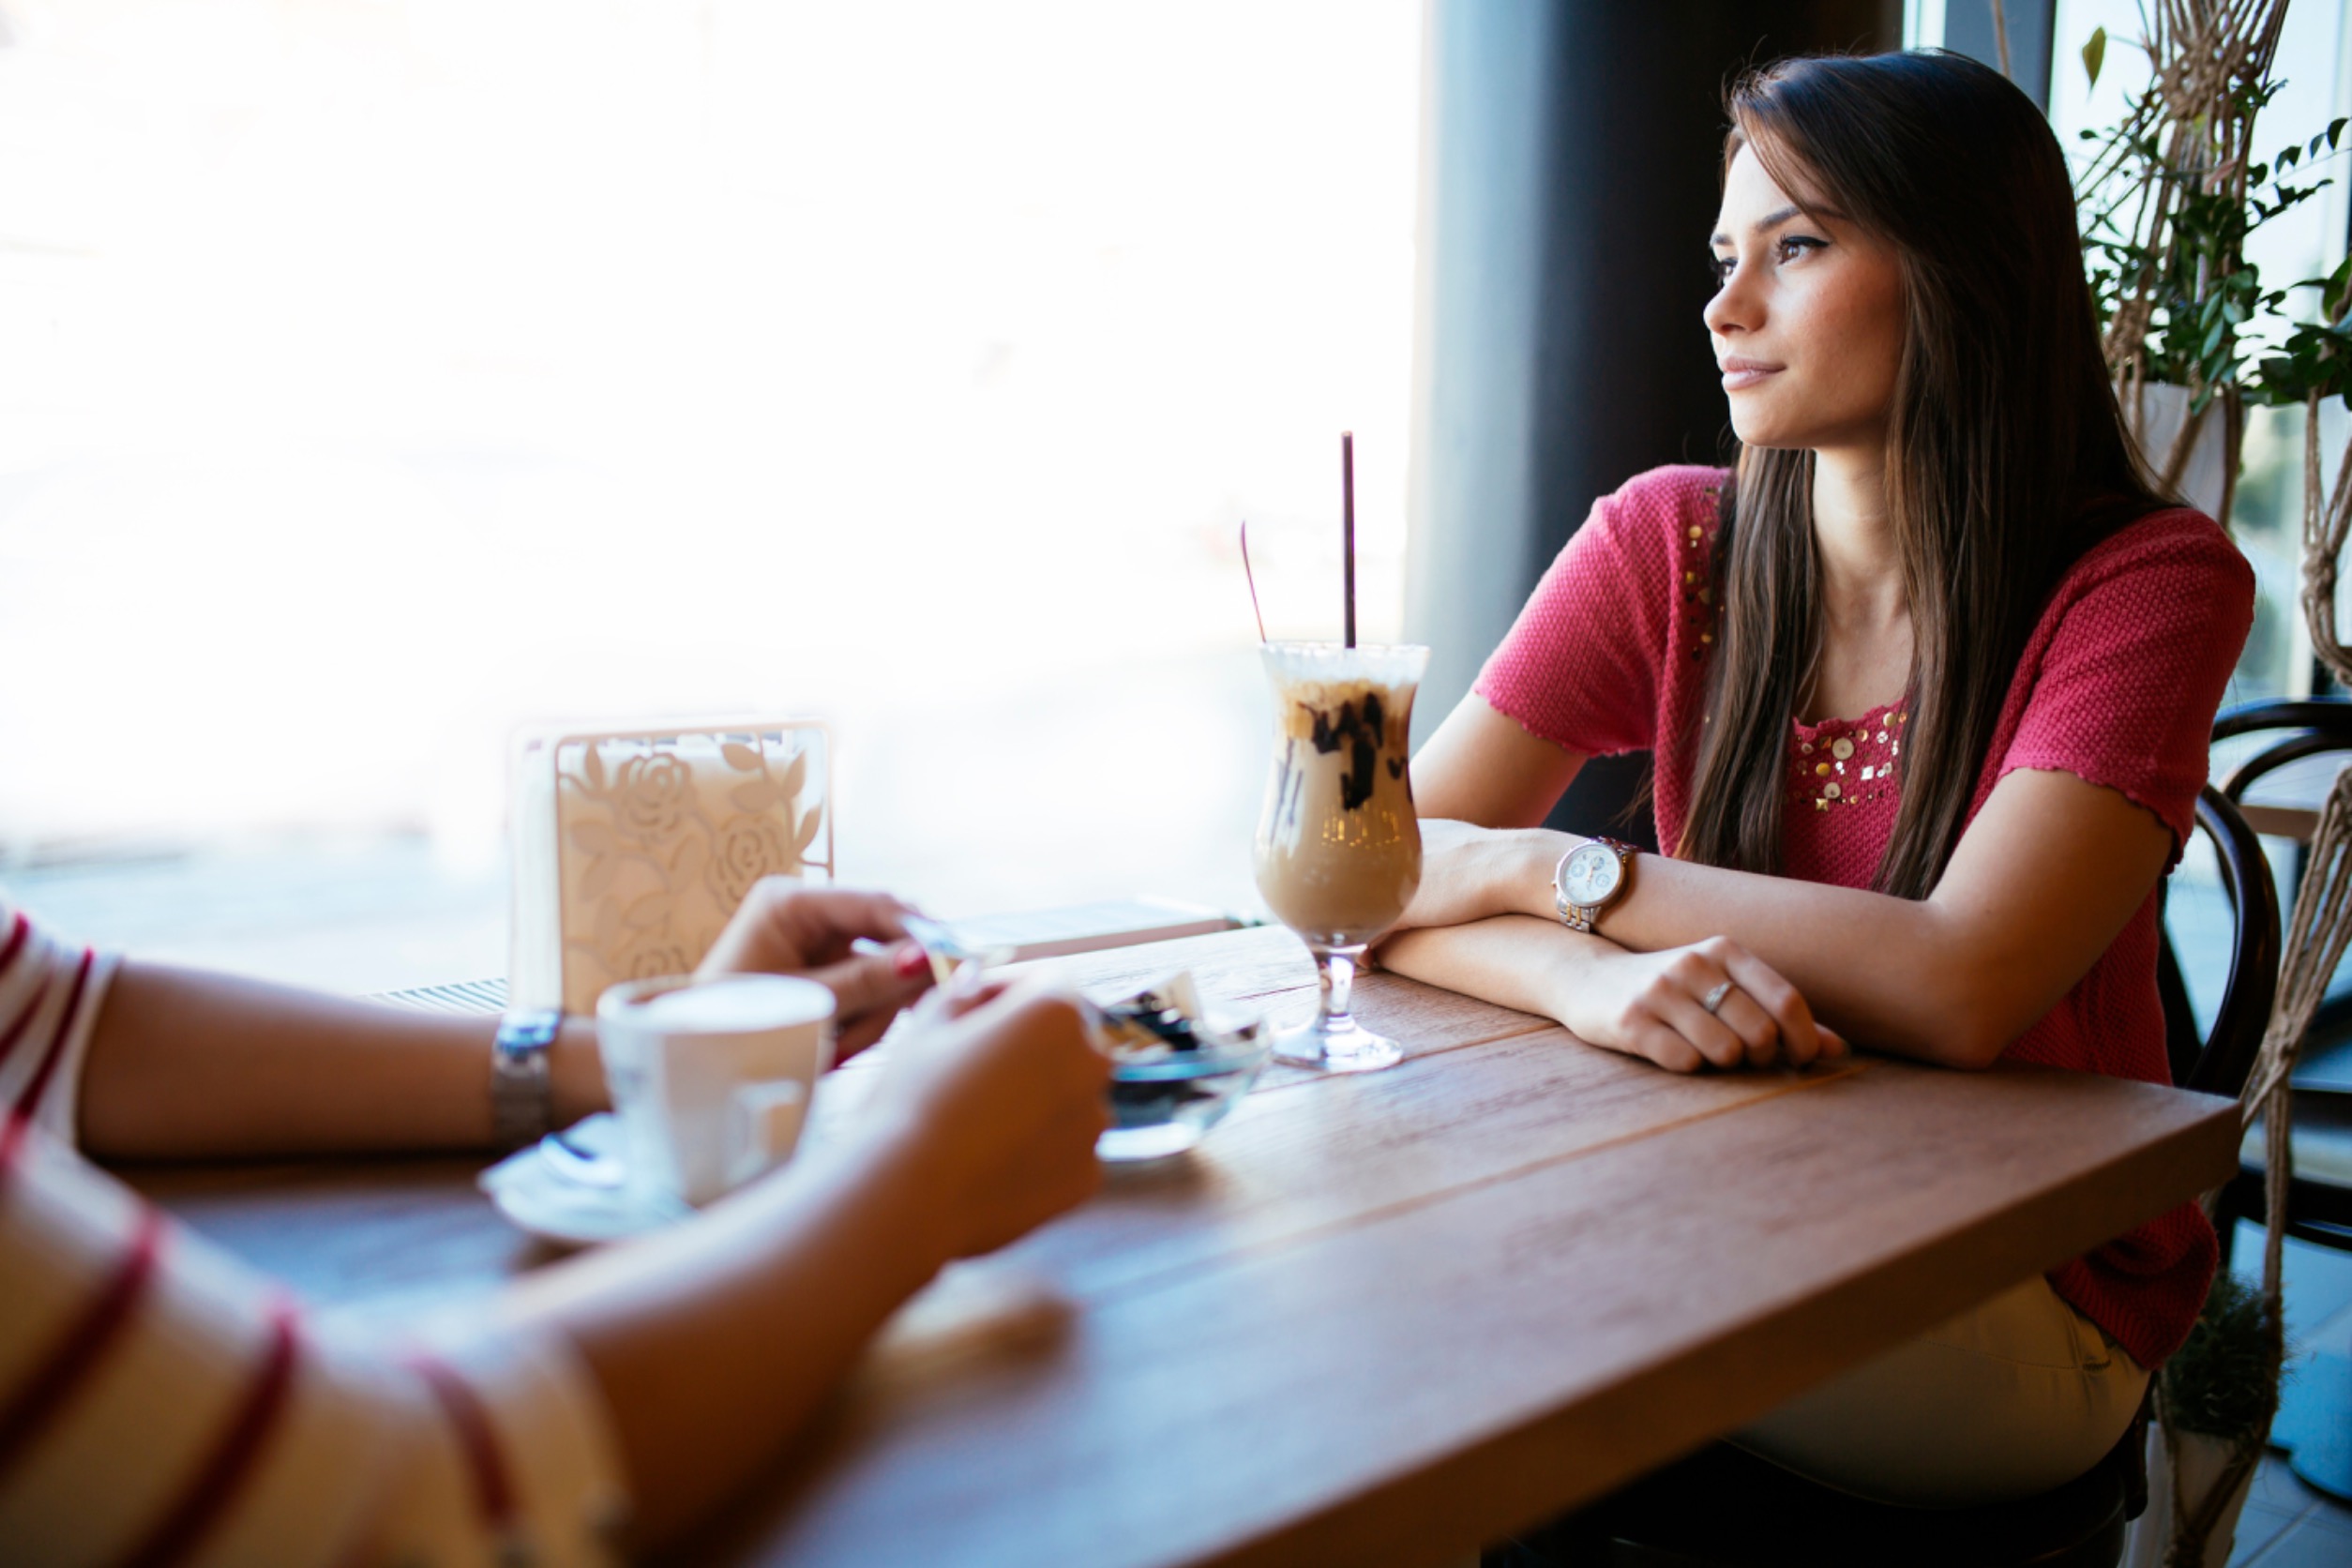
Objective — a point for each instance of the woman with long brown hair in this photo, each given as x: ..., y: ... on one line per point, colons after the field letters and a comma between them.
x: 1927, y: 677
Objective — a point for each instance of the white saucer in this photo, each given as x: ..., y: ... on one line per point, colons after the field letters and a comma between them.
x: 572, y: 1188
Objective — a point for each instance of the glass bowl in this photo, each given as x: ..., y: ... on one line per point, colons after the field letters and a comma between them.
x: 1164, y: 1105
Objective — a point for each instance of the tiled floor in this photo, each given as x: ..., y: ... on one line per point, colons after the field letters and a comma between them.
x: 2288, y: 1524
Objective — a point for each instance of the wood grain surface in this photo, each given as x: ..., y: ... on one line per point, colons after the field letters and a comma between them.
x: 1376, y: 1319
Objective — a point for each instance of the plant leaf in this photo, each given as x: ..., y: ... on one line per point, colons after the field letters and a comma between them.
x: 592, y: 766
x: 648, y: 912
x: 599, y: 876
x: 755, y: 797
x: 740, y: 757
x: 592, y: 838
x: 2095, y: 53
x: 794, y: 777
x: 807, y: 834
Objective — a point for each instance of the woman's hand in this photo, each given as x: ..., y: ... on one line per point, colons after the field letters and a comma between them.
x: 1653, y: 1005
x: 1469, y: 872
x: 998, y: 1095
x: 784, y: 927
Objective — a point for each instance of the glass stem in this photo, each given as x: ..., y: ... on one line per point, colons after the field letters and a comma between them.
x: 1338, y: 975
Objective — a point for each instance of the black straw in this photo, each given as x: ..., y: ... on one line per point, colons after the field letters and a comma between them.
x: 1348, y: 525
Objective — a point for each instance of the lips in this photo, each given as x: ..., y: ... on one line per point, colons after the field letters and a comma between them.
x: 1740, y: 373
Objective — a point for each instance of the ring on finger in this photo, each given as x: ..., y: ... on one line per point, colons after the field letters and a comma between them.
x: 1713, y: 999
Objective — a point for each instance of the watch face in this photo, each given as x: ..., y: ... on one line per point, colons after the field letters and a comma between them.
x: 1592, y: 874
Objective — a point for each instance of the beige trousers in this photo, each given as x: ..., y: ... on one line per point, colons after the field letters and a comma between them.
x: 2014, y: 1397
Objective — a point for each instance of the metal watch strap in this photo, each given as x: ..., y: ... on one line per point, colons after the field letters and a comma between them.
x: 522, y: 1096
x: 1581, y: 917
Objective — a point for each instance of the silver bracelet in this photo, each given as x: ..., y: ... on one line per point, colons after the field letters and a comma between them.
x: 522, y: 1090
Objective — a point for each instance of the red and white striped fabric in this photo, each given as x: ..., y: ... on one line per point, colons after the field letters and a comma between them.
x: 160, y: 1404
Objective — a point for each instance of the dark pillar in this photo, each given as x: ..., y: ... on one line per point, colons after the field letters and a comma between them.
x: 1569, y: 159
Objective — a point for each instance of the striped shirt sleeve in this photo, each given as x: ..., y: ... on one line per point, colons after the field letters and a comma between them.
x: 50, y: 995
x: 160, y: 1404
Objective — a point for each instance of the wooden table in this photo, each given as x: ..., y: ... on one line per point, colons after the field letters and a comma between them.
x: 1373, y: 1319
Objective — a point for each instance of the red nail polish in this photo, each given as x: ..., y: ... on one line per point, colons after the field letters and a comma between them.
x: 911, y: 960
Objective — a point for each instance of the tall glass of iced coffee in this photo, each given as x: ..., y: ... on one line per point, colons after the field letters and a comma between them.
x: 1338, y: 848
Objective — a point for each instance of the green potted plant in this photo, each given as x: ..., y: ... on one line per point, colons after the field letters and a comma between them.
x: 2214, y: 1399
x: 2169, y: 196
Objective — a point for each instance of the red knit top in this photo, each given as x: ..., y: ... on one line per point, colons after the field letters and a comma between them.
x: 2117, y: 684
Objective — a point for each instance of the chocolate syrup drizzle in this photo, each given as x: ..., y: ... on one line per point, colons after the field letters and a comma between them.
x: 1363, y: 733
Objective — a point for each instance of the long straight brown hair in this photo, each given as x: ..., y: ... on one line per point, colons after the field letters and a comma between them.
x: 2006, y: 455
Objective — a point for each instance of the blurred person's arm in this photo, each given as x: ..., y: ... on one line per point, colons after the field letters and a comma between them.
x: 633, y: 1388
x: 185, y: 1065
x: 714, y: 1342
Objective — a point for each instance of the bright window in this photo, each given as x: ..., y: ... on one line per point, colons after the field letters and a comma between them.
x: 377, y: 374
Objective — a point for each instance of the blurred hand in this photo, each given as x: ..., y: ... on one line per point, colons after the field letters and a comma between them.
x: 999, y: 1095
x: 1653, y: 1004
x: 784, y: 927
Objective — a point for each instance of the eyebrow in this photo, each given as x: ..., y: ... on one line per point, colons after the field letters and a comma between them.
x: 1769, y: 222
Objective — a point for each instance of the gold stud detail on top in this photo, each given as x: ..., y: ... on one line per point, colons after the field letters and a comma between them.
x: 1698, y: 591
x: 1851, y: 762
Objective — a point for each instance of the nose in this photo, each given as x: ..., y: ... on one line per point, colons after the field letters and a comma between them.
x: 1735, y: 307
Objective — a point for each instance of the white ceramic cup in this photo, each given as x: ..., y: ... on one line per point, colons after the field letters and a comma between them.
x: 711, y: 1080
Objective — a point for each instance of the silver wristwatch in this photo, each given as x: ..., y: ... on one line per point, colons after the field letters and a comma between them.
x: 522, y: 1096
x: 1588, y: 879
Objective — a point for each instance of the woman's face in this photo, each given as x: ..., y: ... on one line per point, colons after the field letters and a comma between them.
x: 1807, y: 322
